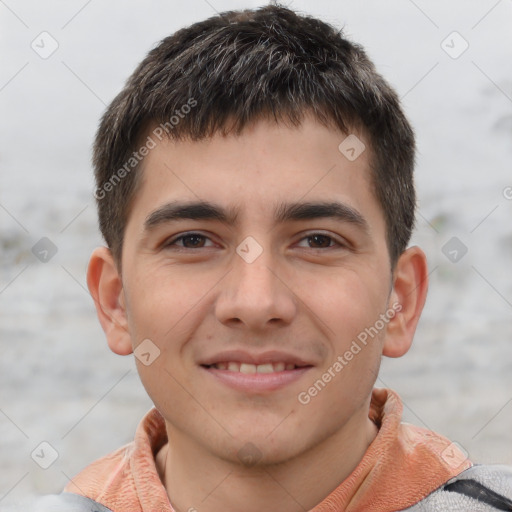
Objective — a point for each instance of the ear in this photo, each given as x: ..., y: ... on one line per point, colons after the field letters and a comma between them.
x: 106, y: 288
x: 410, y: 284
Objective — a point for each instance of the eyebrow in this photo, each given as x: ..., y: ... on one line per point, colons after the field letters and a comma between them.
x: 285, y: 212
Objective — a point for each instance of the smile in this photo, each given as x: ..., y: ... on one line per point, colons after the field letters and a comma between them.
x: 234, y: 366
x: 255, y: 378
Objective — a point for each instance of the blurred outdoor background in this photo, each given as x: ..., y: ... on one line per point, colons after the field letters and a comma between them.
x: 63, y: 62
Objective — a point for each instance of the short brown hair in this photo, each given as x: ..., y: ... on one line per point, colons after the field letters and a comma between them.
x: 240, y: 66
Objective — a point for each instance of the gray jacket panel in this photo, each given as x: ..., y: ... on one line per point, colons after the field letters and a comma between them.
x: 67, y: 502
x: 496, y: 478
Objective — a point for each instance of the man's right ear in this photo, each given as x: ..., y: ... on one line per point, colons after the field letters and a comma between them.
x: 106, y: 288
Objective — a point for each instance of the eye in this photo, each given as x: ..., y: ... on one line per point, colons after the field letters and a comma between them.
x: 320, y: 241
x: 189, y: 241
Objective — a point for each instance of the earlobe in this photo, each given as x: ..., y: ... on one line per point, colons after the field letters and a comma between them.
x: 106, y: 288
x: 407, y: 300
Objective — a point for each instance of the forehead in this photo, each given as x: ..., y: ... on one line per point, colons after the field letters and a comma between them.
x: 257, y: 171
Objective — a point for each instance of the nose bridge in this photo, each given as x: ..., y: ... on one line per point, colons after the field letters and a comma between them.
x: 253, y: 294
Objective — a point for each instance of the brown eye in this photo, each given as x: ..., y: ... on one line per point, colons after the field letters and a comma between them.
x: 319, y: 241
x: 189, y: 241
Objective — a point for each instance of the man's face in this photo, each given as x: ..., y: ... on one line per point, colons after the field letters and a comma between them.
x: 283, y: 268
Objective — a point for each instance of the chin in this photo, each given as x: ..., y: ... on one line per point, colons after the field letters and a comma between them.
x: 254, y: 455
x: 256, y: 448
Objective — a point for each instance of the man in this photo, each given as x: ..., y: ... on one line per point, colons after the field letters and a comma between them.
x: 255, y: 191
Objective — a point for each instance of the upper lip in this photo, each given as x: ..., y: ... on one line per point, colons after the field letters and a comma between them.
x: 242, y: 356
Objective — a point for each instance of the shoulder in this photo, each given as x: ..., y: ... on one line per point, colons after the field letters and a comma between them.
x: 114, y: 480
x: 108, y: 475
x: 481, y: 488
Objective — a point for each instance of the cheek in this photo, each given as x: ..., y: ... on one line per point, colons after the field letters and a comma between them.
x: 162, y: 302
x: 349, y: 308
x: 166, y: 308
x: 346, y: 302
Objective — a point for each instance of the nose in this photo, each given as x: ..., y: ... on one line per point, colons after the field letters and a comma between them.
x: 256, y: 295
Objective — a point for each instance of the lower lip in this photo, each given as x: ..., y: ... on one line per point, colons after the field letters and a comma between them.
x: 257, y: 382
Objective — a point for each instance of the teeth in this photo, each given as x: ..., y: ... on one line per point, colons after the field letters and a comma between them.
x: 265, y: 368
x: 247, y: 368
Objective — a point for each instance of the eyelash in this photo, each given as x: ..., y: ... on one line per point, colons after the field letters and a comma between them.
x: 332, y: 240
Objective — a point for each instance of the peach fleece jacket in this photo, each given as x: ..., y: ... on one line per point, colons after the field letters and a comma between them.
x: 402, y: 465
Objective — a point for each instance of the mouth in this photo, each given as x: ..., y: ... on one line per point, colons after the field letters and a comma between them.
x: 256, y: 374
x: 248, y: 368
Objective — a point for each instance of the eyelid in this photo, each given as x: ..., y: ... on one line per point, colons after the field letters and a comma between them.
x: 338, y: 240
x: 168, y: 242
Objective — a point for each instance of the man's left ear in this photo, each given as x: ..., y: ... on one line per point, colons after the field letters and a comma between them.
x: 410, y: 284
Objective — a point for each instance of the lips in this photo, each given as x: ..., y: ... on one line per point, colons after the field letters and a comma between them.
x: 236, y: 366
x: 244, y: 361
x: 256, y: 373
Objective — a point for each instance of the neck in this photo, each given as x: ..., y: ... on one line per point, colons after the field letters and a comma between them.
x: 197, y: 479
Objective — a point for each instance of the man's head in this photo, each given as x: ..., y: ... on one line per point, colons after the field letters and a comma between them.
x: 263, y: 268
x: 224, y: 73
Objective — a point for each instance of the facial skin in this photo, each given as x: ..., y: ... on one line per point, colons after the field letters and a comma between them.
x: 304, y: 299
